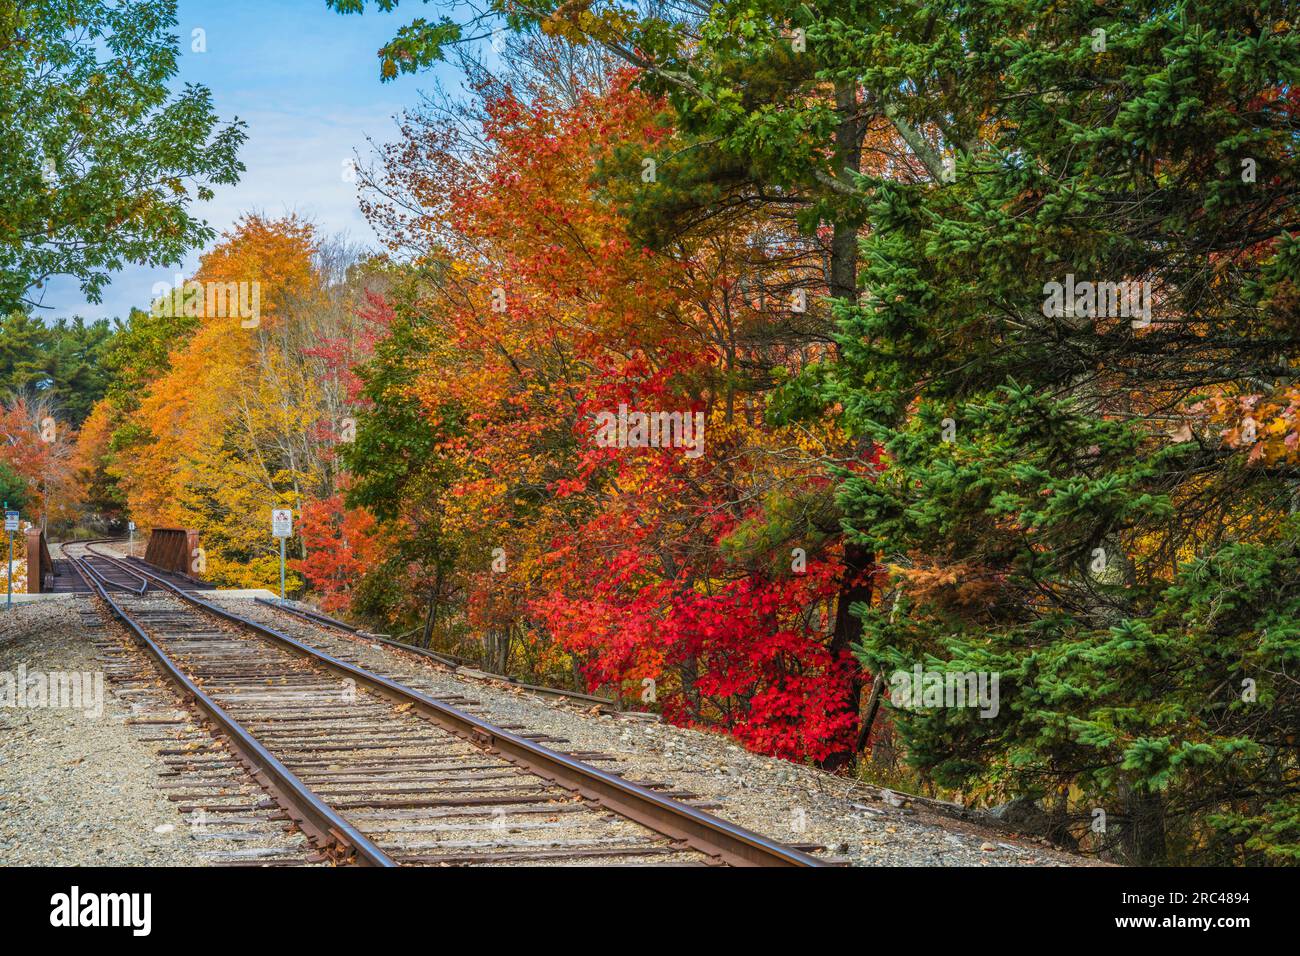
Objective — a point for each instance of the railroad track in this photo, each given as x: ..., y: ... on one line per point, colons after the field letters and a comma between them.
x: 377, y: 773
x: 461, y: 667
x: 110, y: 573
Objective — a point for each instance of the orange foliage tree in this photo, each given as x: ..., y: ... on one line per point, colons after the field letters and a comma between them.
x: 242, y: 412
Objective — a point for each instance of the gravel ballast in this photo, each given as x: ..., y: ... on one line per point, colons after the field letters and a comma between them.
x: 76, y: 790
x: 91, y: 786
x: 857, y: 823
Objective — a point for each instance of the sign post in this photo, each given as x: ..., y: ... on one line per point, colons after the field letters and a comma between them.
x: 130, y: 540
x: 282, y: 528
x: 11, y: 525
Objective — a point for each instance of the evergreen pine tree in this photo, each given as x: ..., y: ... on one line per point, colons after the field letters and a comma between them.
x: 1058, y: 505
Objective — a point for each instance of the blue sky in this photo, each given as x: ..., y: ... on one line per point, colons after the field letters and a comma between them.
x: 306, y: 80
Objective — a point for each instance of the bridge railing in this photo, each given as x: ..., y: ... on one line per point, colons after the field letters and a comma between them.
x: 172, y: 549
x: 40, y: 566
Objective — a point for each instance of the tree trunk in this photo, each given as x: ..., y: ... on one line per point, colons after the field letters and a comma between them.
x: 856, y: 589
x: 873, y: 707
x: 503, y: 649
x: 1144, y: 832
x: 848, y: 159
x: 432, y: 617
x: 844, y: 285
x: 429, y: 619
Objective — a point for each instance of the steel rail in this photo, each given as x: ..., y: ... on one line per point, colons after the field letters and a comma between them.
x: 326, y: 621
x: 701, y: 831
x: 99, y: 575
x: 455, y: 663
x: 307, y: 809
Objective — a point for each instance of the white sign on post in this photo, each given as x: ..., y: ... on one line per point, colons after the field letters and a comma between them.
x: 281, y: 523
x: 11, y: 520
x: 130, y: 526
